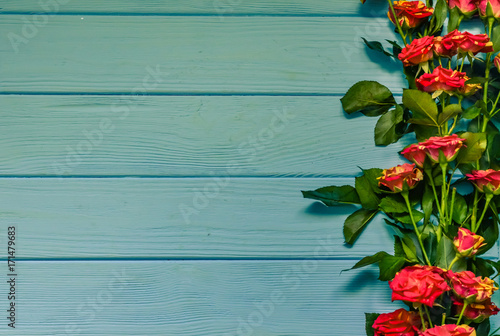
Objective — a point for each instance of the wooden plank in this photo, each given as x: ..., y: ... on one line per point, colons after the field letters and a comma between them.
x: 216, y: 7
x: 195, y: 298
x: 185, y: 136
x: 195, y: 55
x: 180, y: 218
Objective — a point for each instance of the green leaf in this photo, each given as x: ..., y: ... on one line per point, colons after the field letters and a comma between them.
x: 445, y: 252
x: 484, y: 328
x: 472, y: 111
x: 427, y: 203
x: 386, y: 128
x: 410, y: 249
x: 334, y: 195
x: 377, y: 46
x: 366, y: 261
x: 440, y: 14
x: 449, y: 112
x: 356, y: 222
x: 389, y: 266
x: 369, y: 97
x: 423, y: 107
x: 460, y: 208
x: 398, y: 247
x: 369, y: 199
x: 372, y: 175
x: 496, y: 38
x: 423, y: 133
x: 475, y: 145
x: 489, y: 230
x: 369, y: 320
x: 406, y: 219
x: 391, y: 204
x: 484, y: 267
x: 454, y: 18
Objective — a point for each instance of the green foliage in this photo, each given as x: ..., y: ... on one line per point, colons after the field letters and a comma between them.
x: 368, y: 97
x: 334, y: 195
x: 356, y: 222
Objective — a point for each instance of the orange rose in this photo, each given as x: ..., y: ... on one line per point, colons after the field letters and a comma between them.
x: 449, y: 145
x: 466, y: 7
x: 418, y: 51
x: 496, y: 61
x: 410, y: 14
x: 399, y: 322
x: 495, y: 6
x: 476, y: 312
x: 415, y: 153
x: 418, y: 284
x: 467, y: 286
x: 398, y: 178
x: 449, y: 330
x: 467, y: 243
x: 487, y: 181
x: 450, y: 81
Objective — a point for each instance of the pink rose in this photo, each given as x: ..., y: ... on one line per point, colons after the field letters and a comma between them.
x: 398, y: 178
x: 467, y: 243
x: 467, y: 286
x: 415, y: 153
x: 449, y: 330
x: 418, y: 284
x: 487, y: 181
x: 495, y: 6
x: 449, y: 145
x: 397, y: 323
x: 466, y: 7
x: 450, y: 81
x: 418, y: 51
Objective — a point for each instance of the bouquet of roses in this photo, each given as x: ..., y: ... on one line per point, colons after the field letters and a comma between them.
x: 443, y: 203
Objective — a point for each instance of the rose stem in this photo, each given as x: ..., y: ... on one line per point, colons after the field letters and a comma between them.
x: 405, y: 196
x: 488, y: 199
x: 444, y: 319
x: 450, y: 216
x: 422, y: 317
x: 428, y: 316
x: 487, y: 73
x: 400, y: 30
x: 462, y: 312
x: 444, y: 193
x: 453, y: 261
x: 431, y: 180
x: 474, y: 211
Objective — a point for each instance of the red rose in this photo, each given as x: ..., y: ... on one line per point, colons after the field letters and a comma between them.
x: 418, y: 284
x: 471, y: 43
x: 449, y: 330
x: 397, y: 323
x: 467, y: 243
x: 476, y: 312
x: 449, y: 145
x: 446, y: 46
x: 396, y: 179
x: 442, y: 79
x: 487, y: 181
x: 467, y: 286
x: 415, y: 153
x: 495, y: 6
x: 466, y: 7
x: 418, y: 51
x: 410, y: 14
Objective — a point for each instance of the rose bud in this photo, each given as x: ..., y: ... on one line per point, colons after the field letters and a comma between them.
x: 401, y: 177
x: 496, y: 61
x: 410, y: 14
x: 442, y: 79
x: 487, y: 181
x: 418, y: 284
x: 399, y: 322
x: 415, y: 153
x: 473, y: 43
x: 418, y: 51
x: 466, y: 7
x: 449, y: 145
x: 476, y: 312
x: 467, y: 243
x: 493, y: 12
x: 468, y: 287
x: 449, y: 330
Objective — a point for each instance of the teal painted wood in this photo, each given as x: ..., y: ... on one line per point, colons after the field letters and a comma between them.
x: 197, y: 298
x: 186, y: 136
x: 196, y: 55
x: 215, y: 7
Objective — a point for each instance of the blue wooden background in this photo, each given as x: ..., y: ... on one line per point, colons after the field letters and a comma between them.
x: 152, y: 155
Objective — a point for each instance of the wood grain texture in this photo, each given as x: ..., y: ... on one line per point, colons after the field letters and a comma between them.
x: 196, y: 298
x: 196, y: 55
x: 179, y: 218
x: 216, y: 7
x: 186, y: 136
